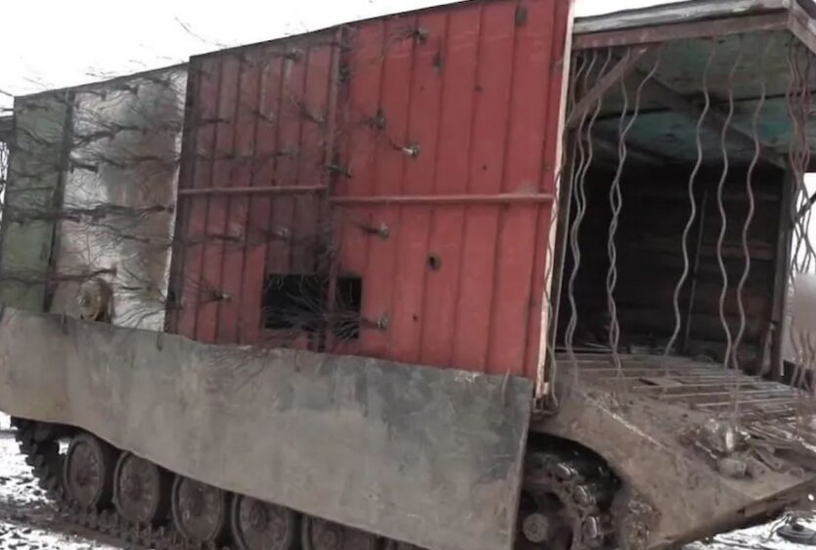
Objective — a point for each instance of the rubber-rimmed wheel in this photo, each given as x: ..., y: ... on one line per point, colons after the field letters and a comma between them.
x: 88, y: 471
x: 542, y: 523
x: 258, y: 525
x: 200, y: 511
x: 319, y: 534
x: 141, y: 490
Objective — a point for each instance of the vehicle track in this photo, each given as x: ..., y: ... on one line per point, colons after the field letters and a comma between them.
x: 566, y: 505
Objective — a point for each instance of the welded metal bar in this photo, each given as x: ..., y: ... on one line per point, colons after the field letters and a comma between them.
x: 784, y: 247
x: 731, y: 358
x: 749, y: 191
x: 652, y: 372
x: 562, y: 220
x: 556, y: 253
x: 695, y: 272
x: 679, y: 31
x: 799, y: 27
x: 332, y: 269
x: 695, y: 378
x: 805, y: 207
x: 724, y: 404
x: 616, y: 74
x: 666, y: 391
x: 723, y: 214
x: 57, y: 198
x: 690, y: 221
x: 616, y: 204
x: 277, y: 190
x: 799, y: 152
x: 586, y: 155
x: 505, y: 198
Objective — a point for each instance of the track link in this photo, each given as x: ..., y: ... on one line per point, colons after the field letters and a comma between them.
x: 584, y: 489
x: 40, y: 444
x: 582, y: 485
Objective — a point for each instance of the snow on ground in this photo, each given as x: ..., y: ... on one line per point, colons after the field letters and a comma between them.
x: 27, y: 520
x: 762, y: 537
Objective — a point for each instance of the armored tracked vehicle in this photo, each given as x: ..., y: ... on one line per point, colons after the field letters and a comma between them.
x: 477, y: 277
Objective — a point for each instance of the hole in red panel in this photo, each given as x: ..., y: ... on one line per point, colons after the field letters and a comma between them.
x: 299, y: 303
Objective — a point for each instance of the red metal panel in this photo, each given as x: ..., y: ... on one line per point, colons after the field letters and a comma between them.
x: 435, y: 135
x: 357, y: 150
x: 206, y: 77
x: 236, y: 241
x: 513, y: 284
x: 492, y: 95
x: 414, y: 223
x: 452, y: 177
x: 389, y: 158
x: 549, y: 166
x: 259, y: 223
x: 259, y: 122
x: 469, y: 86
x: 212, y: 292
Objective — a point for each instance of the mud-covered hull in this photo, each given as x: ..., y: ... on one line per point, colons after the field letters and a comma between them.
x: 428, y: 456
x: 651, y: 422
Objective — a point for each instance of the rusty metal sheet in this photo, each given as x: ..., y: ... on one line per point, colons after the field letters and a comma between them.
x: 588, y: 20
x: 35, y: 169
x: 429, y: 456
x: 260, y: 132
x: 427, y: 161
x: 119, y: 193
x: 448, y: 90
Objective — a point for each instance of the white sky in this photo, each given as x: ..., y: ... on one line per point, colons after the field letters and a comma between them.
x: 55, y: 43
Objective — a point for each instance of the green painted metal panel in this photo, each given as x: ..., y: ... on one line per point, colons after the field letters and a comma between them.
x: 37, y: 163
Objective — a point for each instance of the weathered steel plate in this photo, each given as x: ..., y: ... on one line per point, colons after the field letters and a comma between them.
x: 119, y: 192
x: 28, y: 212
x: 429, y: 456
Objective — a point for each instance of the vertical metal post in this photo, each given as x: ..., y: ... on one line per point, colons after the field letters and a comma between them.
x: 562, y: 234
x: 784, y: 244
x: 56, y: 205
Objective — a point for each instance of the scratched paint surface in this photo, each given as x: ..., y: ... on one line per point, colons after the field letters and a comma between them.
x: 414, y: 130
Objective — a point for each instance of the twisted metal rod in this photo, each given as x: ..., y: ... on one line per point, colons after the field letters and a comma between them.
x: 692, y: 204
x: 721, y: 209
x: 550, y: 336
x: 798, y: 153
x: 749, y: 190
x: 586, y: 155
x: 616, y: 204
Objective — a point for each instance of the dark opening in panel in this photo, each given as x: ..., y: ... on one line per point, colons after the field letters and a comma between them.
x: 348, y: 306
x: 300, y: 303
x: 293, y: 302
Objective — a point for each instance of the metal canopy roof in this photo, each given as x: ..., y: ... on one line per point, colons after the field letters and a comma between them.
x: 680, y: 12
x: 742, y: 57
